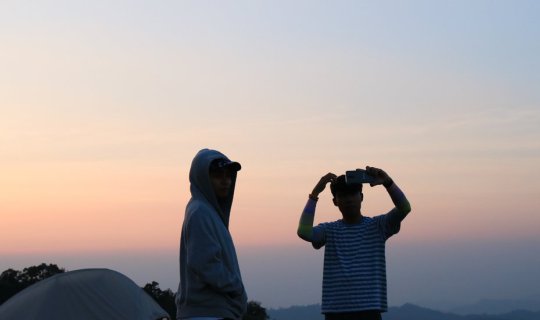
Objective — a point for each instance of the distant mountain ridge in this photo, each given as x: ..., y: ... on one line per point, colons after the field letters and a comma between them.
x: 311, y: 312
x: 405, y: 312
x: 497, y: 306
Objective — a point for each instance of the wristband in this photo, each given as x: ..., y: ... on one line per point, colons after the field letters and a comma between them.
x: 312, y: 197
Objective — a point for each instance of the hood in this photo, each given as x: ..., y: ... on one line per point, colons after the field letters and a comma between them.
x: 201, y: 186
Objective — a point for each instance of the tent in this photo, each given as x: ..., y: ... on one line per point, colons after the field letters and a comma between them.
x: 86, y: 294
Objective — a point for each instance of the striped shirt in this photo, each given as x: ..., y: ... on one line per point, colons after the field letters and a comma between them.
x: 354, y: 277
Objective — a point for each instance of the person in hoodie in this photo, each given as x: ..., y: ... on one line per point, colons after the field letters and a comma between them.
x: 210, y: 281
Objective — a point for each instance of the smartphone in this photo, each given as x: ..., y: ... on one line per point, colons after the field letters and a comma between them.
x: 358, y: 176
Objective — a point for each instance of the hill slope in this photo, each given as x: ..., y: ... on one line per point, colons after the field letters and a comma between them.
x: 405, y: 312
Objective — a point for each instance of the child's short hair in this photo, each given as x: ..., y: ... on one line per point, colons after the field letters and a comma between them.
x: 341, y: 186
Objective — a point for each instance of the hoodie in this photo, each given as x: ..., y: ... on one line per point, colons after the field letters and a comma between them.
x: 210, y: 280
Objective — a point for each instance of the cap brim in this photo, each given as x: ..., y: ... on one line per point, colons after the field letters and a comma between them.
x: 225, y: 163
x: 234, y: 165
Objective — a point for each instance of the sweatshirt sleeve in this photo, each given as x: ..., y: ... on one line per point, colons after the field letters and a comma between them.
x: 205, y: 256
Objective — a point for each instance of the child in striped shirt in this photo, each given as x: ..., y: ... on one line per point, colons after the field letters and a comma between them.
x: 354, y: 276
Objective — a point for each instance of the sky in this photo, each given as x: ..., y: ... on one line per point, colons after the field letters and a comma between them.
x: 103, y: 105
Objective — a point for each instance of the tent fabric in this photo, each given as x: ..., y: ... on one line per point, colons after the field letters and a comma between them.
x: 86, y: 294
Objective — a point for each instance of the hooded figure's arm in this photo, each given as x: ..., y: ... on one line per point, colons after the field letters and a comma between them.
x: 205, y: 256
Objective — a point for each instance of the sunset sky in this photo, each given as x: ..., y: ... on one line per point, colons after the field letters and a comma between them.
x: 103, y: 105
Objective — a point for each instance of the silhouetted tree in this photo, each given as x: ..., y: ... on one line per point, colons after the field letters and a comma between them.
x: 255, y: 311
x: 165, y: 298
x: 13, y: 281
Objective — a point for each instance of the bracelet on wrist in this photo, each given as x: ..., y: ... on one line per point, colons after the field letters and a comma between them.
x: 388, y: 183
x: 312, y: 197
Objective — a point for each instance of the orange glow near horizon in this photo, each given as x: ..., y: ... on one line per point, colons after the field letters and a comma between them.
x: 109, y: 206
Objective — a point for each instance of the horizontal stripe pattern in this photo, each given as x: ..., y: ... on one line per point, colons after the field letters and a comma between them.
x: 354, y: 276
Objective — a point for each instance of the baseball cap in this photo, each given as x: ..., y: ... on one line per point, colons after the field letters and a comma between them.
x: 225, y: 163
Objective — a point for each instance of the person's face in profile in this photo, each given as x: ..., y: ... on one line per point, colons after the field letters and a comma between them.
x: 221, y: 179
